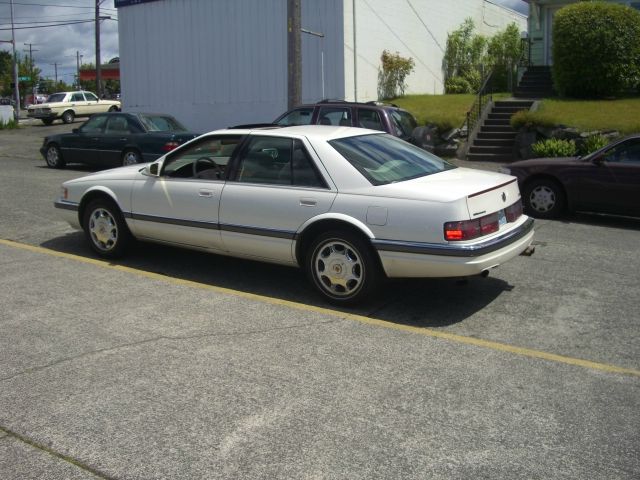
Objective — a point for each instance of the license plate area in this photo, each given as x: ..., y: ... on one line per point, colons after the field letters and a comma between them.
x: 502, y: 218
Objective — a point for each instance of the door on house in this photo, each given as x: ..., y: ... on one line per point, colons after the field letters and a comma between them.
x: 550, y: 13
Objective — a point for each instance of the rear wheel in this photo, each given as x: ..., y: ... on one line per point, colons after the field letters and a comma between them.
x: 68, y: 116
x: 130, y: 157
x: 105, y: 228
x: 54, y: 157
x: 113, y: 109
x: 342, y: 267
x: 544, y: 198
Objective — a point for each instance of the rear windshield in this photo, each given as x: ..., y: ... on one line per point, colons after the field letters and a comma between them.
x: 384, y: 159
x: 56, y: 97
x: 161, y: 123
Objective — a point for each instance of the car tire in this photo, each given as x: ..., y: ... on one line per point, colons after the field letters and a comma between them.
x: 68, y: 116
x: 53, y: 156
x: 47, y: 121
x: 113, y: 109
x: 105, y: 228
x: 544, y: 198
x: 130, y: 157
x: 342, y: 267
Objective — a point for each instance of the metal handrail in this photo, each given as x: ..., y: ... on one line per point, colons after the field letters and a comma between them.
x: 483, y: 98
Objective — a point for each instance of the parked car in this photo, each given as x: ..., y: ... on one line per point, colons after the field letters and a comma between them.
x: 348, y: 205
x: 605, y: 181
x: 69, y: 105
x: 371, y: 115
x: 115, y: 139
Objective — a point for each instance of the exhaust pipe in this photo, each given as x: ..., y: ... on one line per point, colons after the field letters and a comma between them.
x: 484, y: 273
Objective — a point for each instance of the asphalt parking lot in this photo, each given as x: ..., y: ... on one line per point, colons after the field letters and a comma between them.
x: 175, y: 364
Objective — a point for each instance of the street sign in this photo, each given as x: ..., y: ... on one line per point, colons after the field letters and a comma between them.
x: 24, y: 79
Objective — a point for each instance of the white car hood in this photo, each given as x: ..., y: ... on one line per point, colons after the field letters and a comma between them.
x: 130, y: 172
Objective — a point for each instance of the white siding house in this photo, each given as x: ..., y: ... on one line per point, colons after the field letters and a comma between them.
x: 215, y: 63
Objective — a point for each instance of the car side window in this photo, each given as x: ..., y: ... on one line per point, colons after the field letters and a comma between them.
x: 90, y: 97
x: 77, y: 97
x: 299, y: 116
x: 206, y: 159
x: 117, y: 125
x: 95, y: 124
x: 368, y: 118
x: 266, y: 160
x: 626, y: 152
x: 334, y: 116
x: 301, y: 171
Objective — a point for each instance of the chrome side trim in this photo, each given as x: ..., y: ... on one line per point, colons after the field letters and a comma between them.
x: 451, y: 250
x: 66, y: 205
x: 173, y: 221
x: 259, y: 231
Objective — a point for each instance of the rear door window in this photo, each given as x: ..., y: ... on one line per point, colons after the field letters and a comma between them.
x: 334, y: 116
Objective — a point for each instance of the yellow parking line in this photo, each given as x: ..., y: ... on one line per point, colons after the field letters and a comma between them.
x: 502, y: 347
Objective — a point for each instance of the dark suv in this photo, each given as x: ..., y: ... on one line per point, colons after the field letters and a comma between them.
x: 373, y: 115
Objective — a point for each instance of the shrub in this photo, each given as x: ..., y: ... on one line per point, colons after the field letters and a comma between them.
x: 593, y: 143
x: 457, y: 85
x: 527, y: 119
x: 11, y: 124
x: 554, y: 147
x: 392, y: 74
x: 596, y: 52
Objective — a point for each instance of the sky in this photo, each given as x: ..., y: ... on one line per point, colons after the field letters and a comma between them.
x: 54, y: 47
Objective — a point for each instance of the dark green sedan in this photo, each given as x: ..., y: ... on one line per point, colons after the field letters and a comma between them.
x: 116, y: 139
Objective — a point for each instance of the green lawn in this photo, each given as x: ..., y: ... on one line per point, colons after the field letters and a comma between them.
x: 449, y: 111
x: 587, y: 115
x: 446, y: 111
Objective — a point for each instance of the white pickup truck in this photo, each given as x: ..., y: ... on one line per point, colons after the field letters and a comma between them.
x: 69, y: 105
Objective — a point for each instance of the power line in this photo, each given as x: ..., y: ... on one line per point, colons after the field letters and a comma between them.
x: 52, y: 25
x: 50, y: 5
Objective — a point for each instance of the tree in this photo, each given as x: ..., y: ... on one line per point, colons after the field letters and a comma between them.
x: 392, y: 75
x: 595, y: 49
x: 6, y: 73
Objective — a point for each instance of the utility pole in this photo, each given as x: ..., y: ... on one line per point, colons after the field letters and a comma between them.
x: 355, y: 56
x: 98, y: 69
x: 55, y: 66
x: 15, y: 65
x: 78, y: 57
x: 294, y: 54
x: 33, y: 81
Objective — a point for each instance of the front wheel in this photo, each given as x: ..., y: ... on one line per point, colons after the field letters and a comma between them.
x: 105, y: 228
x: 130, y: 157
x: 68, y: 116
x: 47, y: 121
x: 342, y: 268
x: 113, y: 109
x: 544, y: 198
x: 54, y: 157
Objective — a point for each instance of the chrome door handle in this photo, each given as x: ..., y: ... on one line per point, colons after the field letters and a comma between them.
x: 205, y: 193
x: 308, y: 202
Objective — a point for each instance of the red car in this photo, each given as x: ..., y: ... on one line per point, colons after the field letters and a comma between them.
x: 605, y: 181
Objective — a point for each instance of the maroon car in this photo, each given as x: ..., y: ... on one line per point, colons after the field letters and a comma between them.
x: 605, y: 181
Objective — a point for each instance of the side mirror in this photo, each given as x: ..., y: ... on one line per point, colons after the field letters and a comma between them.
x: 599, y: 160
x: 152, y: 170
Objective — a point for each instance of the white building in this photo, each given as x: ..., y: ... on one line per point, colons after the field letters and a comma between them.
x: 215, y: 63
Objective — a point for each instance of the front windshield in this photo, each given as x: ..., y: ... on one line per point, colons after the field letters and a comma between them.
x: 56, y: 97
x: 384, y: 159
x: 161, y: 123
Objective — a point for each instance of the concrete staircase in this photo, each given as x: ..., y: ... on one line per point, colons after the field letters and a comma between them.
x: 535, y: 83
x: 495, y: 139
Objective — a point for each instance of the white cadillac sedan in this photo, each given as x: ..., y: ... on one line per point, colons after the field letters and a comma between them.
x: 348, y: 205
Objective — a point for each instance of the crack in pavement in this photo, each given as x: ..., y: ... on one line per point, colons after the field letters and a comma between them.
x: 159, y: 338
x: 11, y: 434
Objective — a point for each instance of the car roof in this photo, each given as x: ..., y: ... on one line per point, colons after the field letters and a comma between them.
x: 316, y: 132
x: 345, y: 103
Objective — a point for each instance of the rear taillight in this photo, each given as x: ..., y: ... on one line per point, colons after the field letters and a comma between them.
x: 513, y: 212
x: 167, y: 147
x: 478, y: 227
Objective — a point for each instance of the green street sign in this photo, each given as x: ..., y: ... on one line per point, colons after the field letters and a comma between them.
x: 24, y: 79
